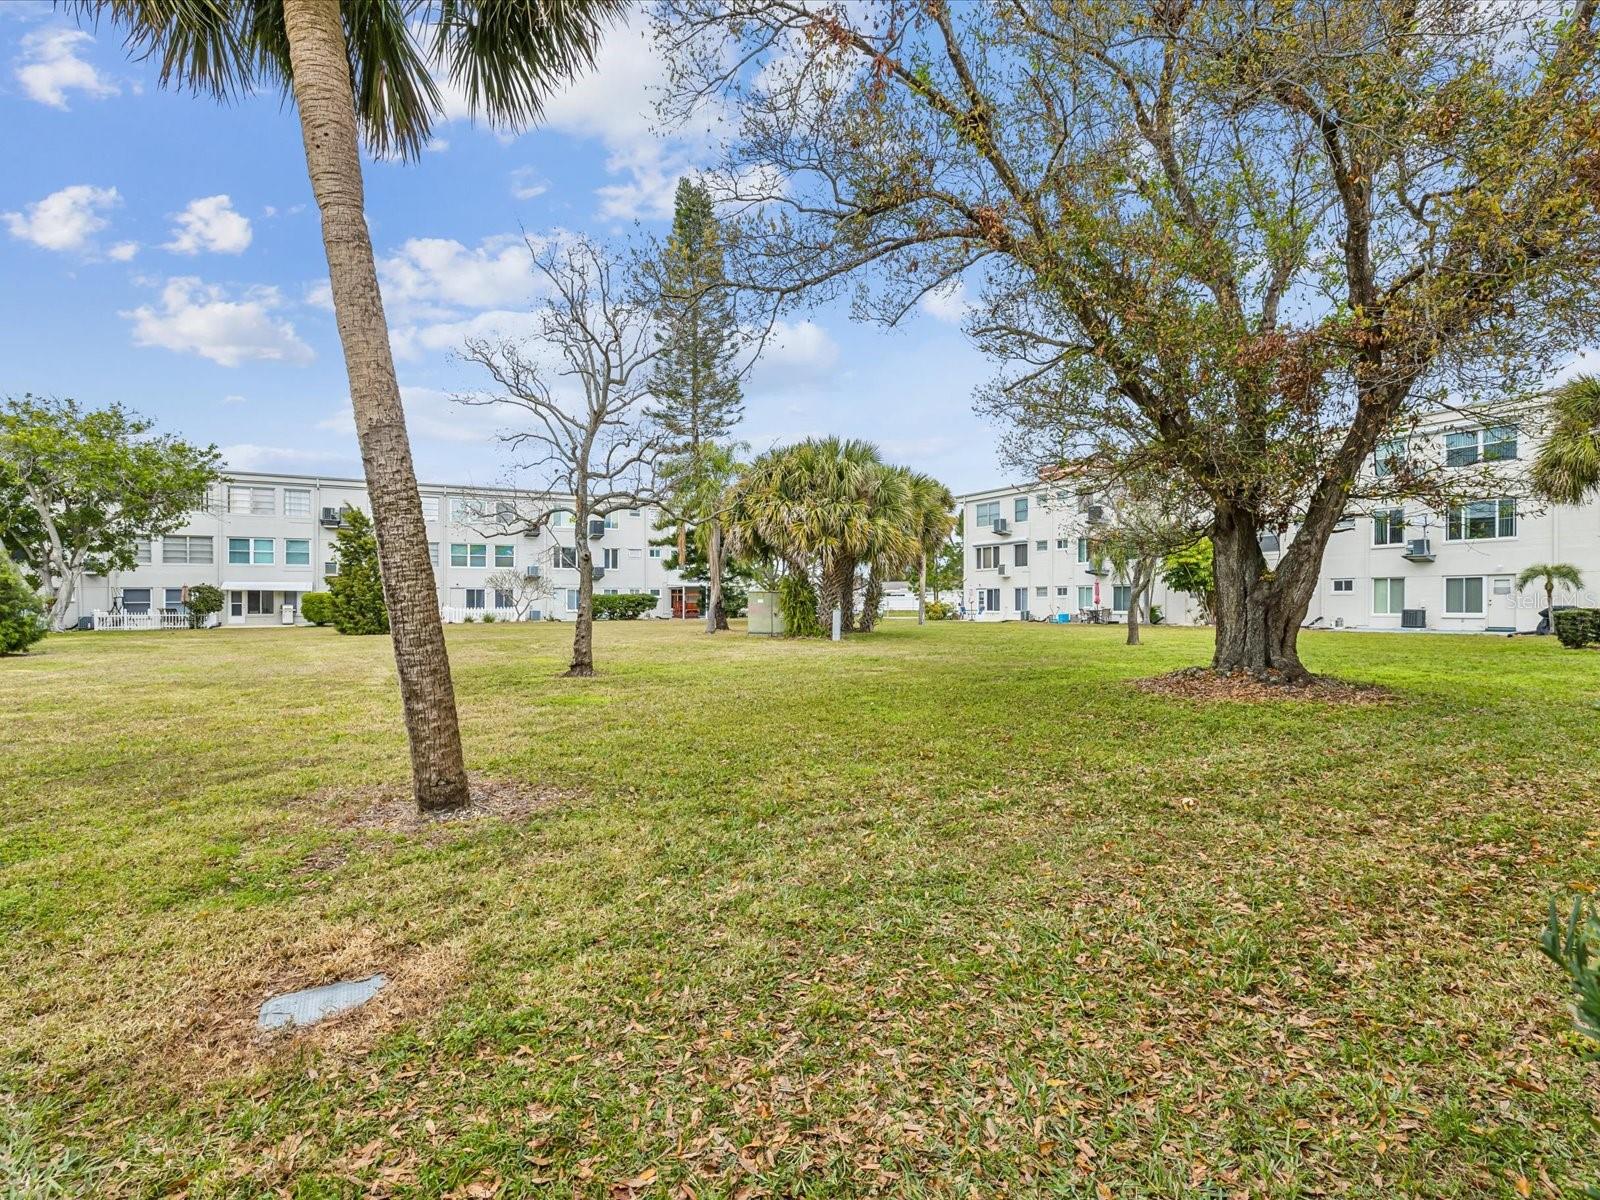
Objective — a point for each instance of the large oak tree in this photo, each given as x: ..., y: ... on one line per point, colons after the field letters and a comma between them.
x: 1233, y: 244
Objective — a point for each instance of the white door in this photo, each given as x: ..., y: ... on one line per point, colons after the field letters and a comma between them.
x: 1502, y: 607
x: 235, y: 608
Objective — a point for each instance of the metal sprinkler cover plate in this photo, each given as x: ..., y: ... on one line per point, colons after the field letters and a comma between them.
x: 313, y: 1004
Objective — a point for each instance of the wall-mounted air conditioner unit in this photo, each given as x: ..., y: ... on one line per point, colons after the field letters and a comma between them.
x: 1413, y: 618
x: 597, y: 528
x: 599, y: 574
x: 1001, y: 525
x: 1419, y: 550
x: 332, y: 518
x: 531, y: 571
x: 1004, y: 570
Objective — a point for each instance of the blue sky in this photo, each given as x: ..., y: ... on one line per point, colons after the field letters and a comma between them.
x: 163, y: 250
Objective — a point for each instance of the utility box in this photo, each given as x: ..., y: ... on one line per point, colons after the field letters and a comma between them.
x: 762, y: 615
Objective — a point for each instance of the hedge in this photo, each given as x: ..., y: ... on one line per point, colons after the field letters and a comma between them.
x: 1578, y: 627
x: 317, y: 607
x: 628, y: 607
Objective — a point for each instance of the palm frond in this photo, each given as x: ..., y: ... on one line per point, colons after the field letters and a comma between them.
x: 1567, y: 467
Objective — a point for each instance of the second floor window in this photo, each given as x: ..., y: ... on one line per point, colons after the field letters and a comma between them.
x: 1464, y: 447
x: 505, y: 556
x: 987, y: 513
x: 1388, y: 527
x: 1481, y: 519
x: 469, y: 554
x: 564, y: 556
x: 257, y: 551
x: 988, y: 557
x: 297, y: 552
x: 251, y: 501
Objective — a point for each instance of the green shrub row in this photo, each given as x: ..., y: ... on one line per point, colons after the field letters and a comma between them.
x: 628, y: 607
x: 1578, y: 627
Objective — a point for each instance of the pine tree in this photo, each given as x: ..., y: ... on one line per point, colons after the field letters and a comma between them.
x: 358, y: 587
x: 698, y: 399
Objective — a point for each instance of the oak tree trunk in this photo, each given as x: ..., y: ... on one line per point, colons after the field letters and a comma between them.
x: 583, y: 634
x: 1257, y: 614
x: 322, y: 92
x: 1139, y: 585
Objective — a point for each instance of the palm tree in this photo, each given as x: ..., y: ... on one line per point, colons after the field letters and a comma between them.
x: 1567, y: 467
x: 357, y: 69
x: 1552, y: 574
x: 936, y: 521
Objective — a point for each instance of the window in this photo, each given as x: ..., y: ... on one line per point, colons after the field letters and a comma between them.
x: 433, y: 553
x: 1042, y: 545
x: 430, y: 507
x: 561, y: 519
x: 611, y: 520
x: 1388, y: 527
x: 1341, y: 586
x: 174, y: 600
x: 250, y: 550
x: 505, y: 556
x: 611, y: 591
x: 1268, y: 542
x: 141, y: 550
x: 1388, y: 596
x: 1063, y: 543
x: 988, y: 600
x: 502, y: 598
x: 469, y: 554
x: 1086, y: 597
x: 136, y: 600
x: 297, y: 552
x: 635, y: 552
x: 1063, y: 591
x: 612, y: 558
x: 1021, y: 554
x: 1041, y: 591
x: 180, y: 549
x: 988, y: 557
x: 655, y: 591
x: 1121, y: 597
x: 1481, y: 519
x: 297, y: 502
x: 1020, y: 508
x: 988, y: 513
x: 252, y: 501
x: 1502, y: 585
x: 1020, y: 599
x: 655, y: 551
x: 564, y: 556
x: 251, y: 604
x: 1463, y: 596
x: 474, y: 597
x: 1463, y: 448
x: 1387, y: 455
x: 1083, y: 549
x: 572, y: 598
x: 633, y: 512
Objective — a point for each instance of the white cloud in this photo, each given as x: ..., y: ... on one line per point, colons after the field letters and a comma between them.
x: 200, y: 318
x: 1585, y: 362
x: 428, y: 276
x: 949, y: 304
x: 123, y: 251
x: 210, y: 223
x: 527, y: 185
x: 800, y: 346
x: 64, y: 220
x: 431, y: 413
x: 320, y: 295
x: 249, y: 456
x: 50, y: 68
x: 409, y: 342
x: 233, y: 398
x: 436, y: 145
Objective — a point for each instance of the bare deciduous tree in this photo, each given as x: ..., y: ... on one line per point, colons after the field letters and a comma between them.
x: 580, y: 384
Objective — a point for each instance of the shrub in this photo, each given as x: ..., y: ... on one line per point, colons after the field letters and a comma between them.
x: 357, y: 589
x: 488, y: 618
x: 317, y: 607
x: 628, y: 607
x: 204, y: 600
x: 1577, y: 627
x: 1155, y: 614
x: 21, y: 611
x: 938, y: 610
x: 797, y: 600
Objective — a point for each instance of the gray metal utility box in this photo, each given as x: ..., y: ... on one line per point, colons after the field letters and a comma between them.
x: 761, y: 611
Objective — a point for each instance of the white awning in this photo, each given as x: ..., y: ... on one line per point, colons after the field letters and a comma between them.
x: 267, y: 585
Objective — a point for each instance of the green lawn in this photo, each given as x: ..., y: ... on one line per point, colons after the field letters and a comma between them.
x: 951, y: 911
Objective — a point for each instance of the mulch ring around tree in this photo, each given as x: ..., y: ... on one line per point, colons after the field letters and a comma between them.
x: 392, y: 809
x: 1202, y: 683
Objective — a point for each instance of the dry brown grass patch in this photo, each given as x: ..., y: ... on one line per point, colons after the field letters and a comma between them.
x: 390, y: 808
x: 1202, y: 683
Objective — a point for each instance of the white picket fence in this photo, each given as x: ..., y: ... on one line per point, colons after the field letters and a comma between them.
x: 130, y: 621
x: 454, y: 614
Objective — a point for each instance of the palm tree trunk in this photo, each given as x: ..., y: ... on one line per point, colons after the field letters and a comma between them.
x: 322, y: 92
x: 714, y: 618
x: 1549, y: 605
x: 922, y: 589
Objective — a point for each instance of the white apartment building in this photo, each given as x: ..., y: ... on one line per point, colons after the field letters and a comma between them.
x: 1389, y: 565
x: 1028, y: 555
x: 266, y: 540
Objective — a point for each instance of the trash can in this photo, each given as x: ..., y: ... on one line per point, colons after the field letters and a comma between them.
x: 762, y: 614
